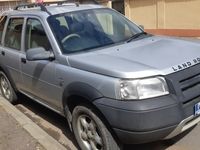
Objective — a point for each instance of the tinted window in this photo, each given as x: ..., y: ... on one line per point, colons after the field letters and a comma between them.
x: 2, y: 23
x: 35, y: 35
x: 13, y: 33
x: 91, y: 29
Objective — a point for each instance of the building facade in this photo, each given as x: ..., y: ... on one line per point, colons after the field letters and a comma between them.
x: 8, y: 4
x: 169, y: 17
x: 166, y: 17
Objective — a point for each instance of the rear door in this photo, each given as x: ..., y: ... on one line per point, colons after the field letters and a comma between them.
x: 2, y: 27
x: 11, y: 48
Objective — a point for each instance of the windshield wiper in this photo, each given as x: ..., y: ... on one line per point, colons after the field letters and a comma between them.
x: 135, y: 36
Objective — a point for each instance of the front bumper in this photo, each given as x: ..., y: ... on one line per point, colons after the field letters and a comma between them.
x: 147, y: 120
x: 184, y: 125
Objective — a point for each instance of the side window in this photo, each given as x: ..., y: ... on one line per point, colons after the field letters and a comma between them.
x: 13, y: 33
x: 35, y: 35
x: 2, y: 24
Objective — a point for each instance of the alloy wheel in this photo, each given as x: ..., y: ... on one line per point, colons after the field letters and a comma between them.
x: 89, y: 133
x: 6, y: 91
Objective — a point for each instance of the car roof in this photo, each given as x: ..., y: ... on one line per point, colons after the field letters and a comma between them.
x: 63, y: 9
x: 52, y: 9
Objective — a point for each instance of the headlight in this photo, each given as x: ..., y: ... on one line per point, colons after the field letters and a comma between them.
x: 143, y: 88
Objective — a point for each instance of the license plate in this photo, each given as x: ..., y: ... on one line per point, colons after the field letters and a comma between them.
x: 197, y: 109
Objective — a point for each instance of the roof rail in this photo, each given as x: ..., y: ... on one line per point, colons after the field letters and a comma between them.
x: 42, y: 7
x: 59, y: 3
x: 77, y: 2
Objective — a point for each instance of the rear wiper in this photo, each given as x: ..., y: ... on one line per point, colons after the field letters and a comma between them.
x: 135, y: 36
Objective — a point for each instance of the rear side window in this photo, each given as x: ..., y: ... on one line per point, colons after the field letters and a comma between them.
x: 13, y: 33
x: 2, y: 24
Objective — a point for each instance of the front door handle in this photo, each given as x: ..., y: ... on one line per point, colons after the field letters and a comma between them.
x: 23, y: 60
x: 3, y: 53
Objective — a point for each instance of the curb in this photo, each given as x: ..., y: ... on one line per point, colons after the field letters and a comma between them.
x: 33, y: 129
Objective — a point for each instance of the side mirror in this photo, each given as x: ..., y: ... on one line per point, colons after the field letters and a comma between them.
x: 39, y: 53
x: 142, y: 27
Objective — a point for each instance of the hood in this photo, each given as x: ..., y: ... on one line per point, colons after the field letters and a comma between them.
x: 146, y: 57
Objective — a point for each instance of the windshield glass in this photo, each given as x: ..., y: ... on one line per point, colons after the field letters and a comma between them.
x: 88, y: 29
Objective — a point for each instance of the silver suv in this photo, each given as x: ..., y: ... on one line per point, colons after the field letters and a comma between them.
x: 114, y: 83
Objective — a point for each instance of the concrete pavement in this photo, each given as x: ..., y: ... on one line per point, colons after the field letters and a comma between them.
x: 11, y: 134
x: 20, y: 133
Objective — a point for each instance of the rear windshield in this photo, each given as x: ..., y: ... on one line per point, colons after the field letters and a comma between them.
x: 89, y: 29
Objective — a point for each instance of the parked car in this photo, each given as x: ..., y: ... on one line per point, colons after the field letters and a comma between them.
x: 114, y: 83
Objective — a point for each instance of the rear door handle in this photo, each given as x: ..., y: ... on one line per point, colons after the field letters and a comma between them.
x: 3, y: 53
x: 23, y: 60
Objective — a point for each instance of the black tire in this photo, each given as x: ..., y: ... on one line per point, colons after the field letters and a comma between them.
x: 6, y: 89
x: 90, y: 132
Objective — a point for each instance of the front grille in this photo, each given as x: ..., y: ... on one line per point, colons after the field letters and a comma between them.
x: 190, y: 82
x: 186, y: 83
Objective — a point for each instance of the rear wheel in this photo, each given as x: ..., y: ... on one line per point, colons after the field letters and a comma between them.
x: 6, y: 88
x: 90, y: 131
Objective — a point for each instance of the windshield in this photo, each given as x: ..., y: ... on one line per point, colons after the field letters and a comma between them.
x: 89, y: 29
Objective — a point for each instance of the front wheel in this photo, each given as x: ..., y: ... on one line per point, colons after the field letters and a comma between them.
x: 6, y: 89
x: 90, y: 132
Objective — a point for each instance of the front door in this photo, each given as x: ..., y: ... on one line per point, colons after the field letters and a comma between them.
x: 39, y: 76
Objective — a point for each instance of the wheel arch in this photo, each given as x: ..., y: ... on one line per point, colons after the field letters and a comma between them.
x: 80, y: 89
x: 82, y: 94
x: 76, y: 93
